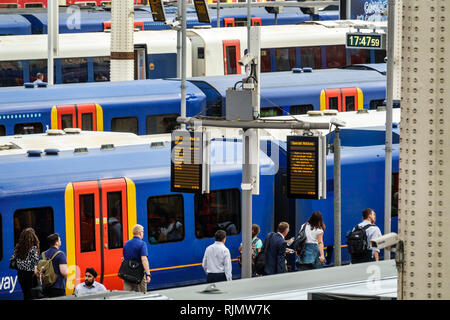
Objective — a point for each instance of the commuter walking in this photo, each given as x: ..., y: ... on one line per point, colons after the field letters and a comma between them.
x: 217, y: 259
x: 358, y: 241
x: 256, y: 247
x: 275, y: 250
x: 313, y: 256
x: 26, y: 256
x: 89, y: 285
x: 136, y: 249
x: 59, y: 262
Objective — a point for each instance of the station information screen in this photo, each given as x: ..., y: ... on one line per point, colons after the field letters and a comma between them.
x: 305, y: 167
x: 186, y: 170
x: 158, y: 12
x: 202, y: 11
x: 366, y: 41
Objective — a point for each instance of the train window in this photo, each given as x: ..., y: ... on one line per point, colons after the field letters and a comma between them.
x: 66, y: 121
x: 11, y: 73
x: 2, y: 130
x: 33, y: 5
x: 379, y: 56
x: 87, y: 223
x: 359, y: 56
x: 350, y: 103
x: 163, y: 123
x: 394, y: 195
x: 285, y: 59
x: 374, y: 104
x: 1, y: 238
x: 200, y: 53
x: 114, y: 208
x: 265, y: 60
x: 101, y: 68
x: 333, y: 103
x: 125, y: 124
x: 231, y: 63
x: 311, y: 57
x: 74, y: 70
x: 165, y: 218
x: 219, y: 209
x: 28, y: 128
x: 335, y: 56
x: 271, y: 112
x: 38, y: 66
x: 301, y: 109
x: 86, y: 122
x: 40, y: 219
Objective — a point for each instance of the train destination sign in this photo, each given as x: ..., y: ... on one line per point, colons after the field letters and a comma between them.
x: 360, y: 40
x: 158, y: 12
x: 306, y: 167
x: 189, y: 170
x: 202, y: 11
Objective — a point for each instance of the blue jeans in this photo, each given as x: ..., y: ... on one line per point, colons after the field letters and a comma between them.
x: 310, y: 258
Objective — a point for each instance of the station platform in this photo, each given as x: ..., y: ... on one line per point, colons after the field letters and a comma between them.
x: 373, y: 280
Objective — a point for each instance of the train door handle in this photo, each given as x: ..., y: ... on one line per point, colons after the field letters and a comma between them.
x: 106, y: 246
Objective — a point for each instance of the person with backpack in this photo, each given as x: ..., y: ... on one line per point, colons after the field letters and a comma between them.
x: 312, y: 255
x: 51, y: 269
x: 256, y: 248
x: 358, y: 240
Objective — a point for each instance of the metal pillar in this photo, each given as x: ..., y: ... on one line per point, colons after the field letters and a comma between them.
x: 424, y: 175
x: 337, y: 197
x: 183, y: 61
x: 122, y: 42
x: 52, y: 38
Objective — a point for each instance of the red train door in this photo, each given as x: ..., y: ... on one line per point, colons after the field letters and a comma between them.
x: 231, y: 55
x: 100, y: 221
x: 87, y: 117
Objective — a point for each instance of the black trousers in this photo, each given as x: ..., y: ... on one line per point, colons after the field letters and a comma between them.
x: 27, y: 281
x: 216, y: 277
x: 54, y: 292
x: 367, y: 257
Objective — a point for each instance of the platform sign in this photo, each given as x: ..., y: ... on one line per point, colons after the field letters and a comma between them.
x: 358, y: 40
x: 306, y: 165
x: 158, y: 12
x: 202, y: 11
x: 189, y: 170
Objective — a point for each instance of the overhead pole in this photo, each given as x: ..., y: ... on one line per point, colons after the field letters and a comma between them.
x: 52, y: 38
x: 183, y: 61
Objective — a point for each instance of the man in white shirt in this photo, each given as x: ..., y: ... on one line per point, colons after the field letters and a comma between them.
x: 372, y: 232
x: 217, y: 260
x: 89, y: 285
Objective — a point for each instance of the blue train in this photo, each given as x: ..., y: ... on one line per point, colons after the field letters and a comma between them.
x: 96, y: 20
x: 151, y: 106
x: 79, y: 193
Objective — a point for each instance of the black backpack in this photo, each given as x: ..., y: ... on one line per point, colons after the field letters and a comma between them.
x: 300, y: 241
x: 357, y: 244
x: 260, y: 259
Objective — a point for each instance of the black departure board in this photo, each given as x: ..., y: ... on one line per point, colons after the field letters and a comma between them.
x: 365, y: 41
x: 303, y: 167
x: 186, y: 162
x: 202, y: 11
x: 158, y: 10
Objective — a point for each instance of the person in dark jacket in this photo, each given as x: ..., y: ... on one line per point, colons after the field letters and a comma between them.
x: 275, y: 250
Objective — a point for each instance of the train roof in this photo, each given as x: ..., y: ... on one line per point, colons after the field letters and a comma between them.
x: 94, y: 92
x: 93, y: 44
x: 14, y: 24
x: 333, y: 78
x: 20, y: 172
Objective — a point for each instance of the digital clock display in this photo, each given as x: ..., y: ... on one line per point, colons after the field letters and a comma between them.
x: 365, y: 41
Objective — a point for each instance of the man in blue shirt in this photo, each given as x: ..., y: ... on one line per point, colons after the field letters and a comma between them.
x: 136, y: 249
x: 89, y: 285
x: 59, y: 266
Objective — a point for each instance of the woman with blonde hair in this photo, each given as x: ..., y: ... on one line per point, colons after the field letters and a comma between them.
x: 26, y: 254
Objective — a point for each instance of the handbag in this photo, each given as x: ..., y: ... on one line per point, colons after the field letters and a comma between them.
x: 13, y: 263
x: 131, y: 271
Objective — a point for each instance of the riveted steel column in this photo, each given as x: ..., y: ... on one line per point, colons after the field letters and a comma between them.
x: 122, y: 42
x: 424, y: 176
